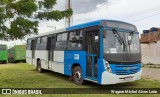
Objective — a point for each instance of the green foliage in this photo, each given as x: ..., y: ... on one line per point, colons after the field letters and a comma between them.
x: 22, y: 27
x: 20, y: 15
x: 54, y: 15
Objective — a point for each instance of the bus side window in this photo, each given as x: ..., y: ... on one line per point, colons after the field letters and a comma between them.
x: 28, y: 44
x: 61, y: 42
x: 38, y: 43
x: 43, y: 45
x: 75, y: 40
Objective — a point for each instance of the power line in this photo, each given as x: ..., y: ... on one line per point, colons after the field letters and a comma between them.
x: 145, y: 17
x: 142, y: 12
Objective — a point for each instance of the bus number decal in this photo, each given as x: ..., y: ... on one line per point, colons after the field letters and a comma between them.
x: 76, y: 56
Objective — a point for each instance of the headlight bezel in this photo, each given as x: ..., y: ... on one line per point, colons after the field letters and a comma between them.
x: 107, y: 67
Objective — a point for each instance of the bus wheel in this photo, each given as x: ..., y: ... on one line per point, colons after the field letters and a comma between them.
x: 77, y: 75
x: 4, y: 62
x: 39, y: 69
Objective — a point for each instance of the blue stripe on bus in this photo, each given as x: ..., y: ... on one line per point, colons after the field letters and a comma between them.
x: 85, y: 25
x: 93, y: 23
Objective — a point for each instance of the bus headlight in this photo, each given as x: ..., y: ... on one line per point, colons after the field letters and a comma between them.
x: 107, y: 66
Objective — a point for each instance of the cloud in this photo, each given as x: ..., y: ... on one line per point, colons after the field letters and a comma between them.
x: 85, y: 6
x: 80, y: 6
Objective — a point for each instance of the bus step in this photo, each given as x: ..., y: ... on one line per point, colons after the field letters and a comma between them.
x: 91, y: 80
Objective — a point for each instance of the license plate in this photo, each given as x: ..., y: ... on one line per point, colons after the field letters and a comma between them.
x: 128, y: 78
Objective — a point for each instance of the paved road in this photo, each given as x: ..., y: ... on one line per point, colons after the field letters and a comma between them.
x: 153, y: 73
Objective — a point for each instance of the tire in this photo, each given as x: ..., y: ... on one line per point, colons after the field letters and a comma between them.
x: 39, y: 69
x: 8, y: 60
x: 24, y: 61
x: 4, y: 62
x: 78, y: 76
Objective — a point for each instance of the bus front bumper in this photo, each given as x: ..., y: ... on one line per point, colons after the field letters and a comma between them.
x: 109, y: 78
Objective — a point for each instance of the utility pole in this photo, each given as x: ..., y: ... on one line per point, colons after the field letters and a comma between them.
x: 68, y: 20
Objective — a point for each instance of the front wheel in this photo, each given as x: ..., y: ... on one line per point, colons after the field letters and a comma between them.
x: 78, y: 76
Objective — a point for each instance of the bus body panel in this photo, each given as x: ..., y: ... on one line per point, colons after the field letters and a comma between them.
x: 43, y: 56
x: 74, y: 58
x: 3, y: 55
x: 58, y: 62
x: 101, y: 69
x: 20, y: 52
x: 110, y: 78
x: 29, y: 56
x: 58, y: 67
x: 17, y: 53
x: 59, y: 56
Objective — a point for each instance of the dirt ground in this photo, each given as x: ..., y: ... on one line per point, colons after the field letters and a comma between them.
x: 153, y: 73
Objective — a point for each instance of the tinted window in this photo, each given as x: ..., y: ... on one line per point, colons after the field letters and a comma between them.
x: 43, y: 44
x: 39, y: 40
x: 2, y: 47
x: 29, y: 45
x: 61, y: 42
x: 44, y: 40
x: 61, y: 45
x: 59, y: 37
x: 38, y: 43
x: 64, y: 37
x: 75, y: 40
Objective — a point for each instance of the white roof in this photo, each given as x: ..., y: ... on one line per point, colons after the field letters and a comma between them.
x: 48, y: 33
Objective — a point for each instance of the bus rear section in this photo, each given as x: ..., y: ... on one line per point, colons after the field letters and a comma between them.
x: 3, y: 53
x: 104, y: 52
x: 17, y: 53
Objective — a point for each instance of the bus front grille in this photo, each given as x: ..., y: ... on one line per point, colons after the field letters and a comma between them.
x: 125, y: 69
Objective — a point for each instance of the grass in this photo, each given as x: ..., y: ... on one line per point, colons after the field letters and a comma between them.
x: 25, y: 76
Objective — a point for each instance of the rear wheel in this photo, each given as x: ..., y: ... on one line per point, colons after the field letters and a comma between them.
x: 78, y: 76
x: 4, y: 62
x: 39, y: 69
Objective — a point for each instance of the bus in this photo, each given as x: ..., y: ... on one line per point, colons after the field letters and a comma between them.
x: 17, y: 54
x: 103, y: 51
x: 3, y: 53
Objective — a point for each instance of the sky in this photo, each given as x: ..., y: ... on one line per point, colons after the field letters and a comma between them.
x: 142, y: 13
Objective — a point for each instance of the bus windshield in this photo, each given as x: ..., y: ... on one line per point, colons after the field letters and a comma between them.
x: 2, y: 47
x: 121, y: 42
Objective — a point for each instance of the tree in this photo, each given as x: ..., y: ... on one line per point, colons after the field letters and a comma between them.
x: 22, y: 16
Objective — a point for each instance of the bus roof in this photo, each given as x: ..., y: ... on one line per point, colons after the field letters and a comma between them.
x: 79, y: 26
x: 48, y: 33
x: 93, y: 23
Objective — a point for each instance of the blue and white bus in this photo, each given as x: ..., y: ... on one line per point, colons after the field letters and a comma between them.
x: 102, y: 51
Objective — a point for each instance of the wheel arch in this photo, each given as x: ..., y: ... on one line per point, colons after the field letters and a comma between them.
x: 75, y: 65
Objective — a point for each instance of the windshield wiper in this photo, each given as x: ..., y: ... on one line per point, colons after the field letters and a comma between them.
x: 116, y: 34
x: 120, y: 39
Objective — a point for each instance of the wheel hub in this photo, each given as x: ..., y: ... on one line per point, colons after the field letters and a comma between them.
x: 78, y: 75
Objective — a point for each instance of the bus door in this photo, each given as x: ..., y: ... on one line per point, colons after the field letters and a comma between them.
x: 33, y: 47
x: 51, y: 46
x: 92, y: 48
